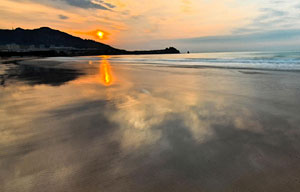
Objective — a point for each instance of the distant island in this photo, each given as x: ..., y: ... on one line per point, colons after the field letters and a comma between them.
x: 48, y: 42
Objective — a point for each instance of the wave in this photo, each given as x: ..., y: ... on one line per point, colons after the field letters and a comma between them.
x: 280, y: 61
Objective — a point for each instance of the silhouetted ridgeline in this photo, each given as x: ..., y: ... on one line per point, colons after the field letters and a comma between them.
x: 49, y: 42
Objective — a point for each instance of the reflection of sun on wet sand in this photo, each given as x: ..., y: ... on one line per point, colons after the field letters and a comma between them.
x: 105, y: 72
x: 104, y: 76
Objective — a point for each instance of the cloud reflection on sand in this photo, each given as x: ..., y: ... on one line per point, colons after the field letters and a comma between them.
x: 139, y: 110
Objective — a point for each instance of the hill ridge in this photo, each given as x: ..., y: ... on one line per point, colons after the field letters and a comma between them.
x: 45, y: 39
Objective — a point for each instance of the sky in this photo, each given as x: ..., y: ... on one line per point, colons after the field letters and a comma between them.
x: 194, y: 25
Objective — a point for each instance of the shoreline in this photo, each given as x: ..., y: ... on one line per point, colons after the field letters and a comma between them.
x: 82, y: 52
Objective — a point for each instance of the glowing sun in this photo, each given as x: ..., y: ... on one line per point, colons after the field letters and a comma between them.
x: 100, y: 34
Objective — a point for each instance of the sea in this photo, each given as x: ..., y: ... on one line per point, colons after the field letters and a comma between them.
x: 280, y: 61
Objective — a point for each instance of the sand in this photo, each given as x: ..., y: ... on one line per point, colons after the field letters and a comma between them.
x: 112, y: 127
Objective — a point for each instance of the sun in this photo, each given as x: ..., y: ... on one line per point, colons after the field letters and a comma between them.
x: 100, y: 34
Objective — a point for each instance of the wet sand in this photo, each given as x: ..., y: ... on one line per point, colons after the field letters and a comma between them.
x: 104, y: 126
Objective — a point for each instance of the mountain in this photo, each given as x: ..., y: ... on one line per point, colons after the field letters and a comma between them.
x: 48, y: 41
x: 48, y: 37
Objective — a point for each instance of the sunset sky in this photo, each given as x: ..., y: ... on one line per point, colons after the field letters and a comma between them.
x: 195, y: 25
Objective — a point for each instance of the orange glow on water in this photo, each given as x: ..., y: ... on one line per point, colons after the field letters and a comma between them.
x: 105, y: 71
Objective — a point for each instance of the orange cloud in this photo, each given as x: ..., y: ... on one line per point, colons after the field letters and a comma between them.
x: 132, y: 22
x: 94, y: 34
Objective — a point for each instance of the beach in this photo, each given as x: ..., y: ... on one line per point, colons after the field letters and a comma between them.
x: 198, y: 122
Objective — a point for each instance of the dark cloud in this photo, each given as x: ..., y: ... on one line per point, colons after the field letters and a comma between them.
x: 263, y: 36
x: 99, y: 4
x: 108, y: 4
x: 277, y: 1
x: 247, y: 40
x: 84, y: 4
x: 269, y: 19
x: 273, y: 12
x: 63, y: 17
